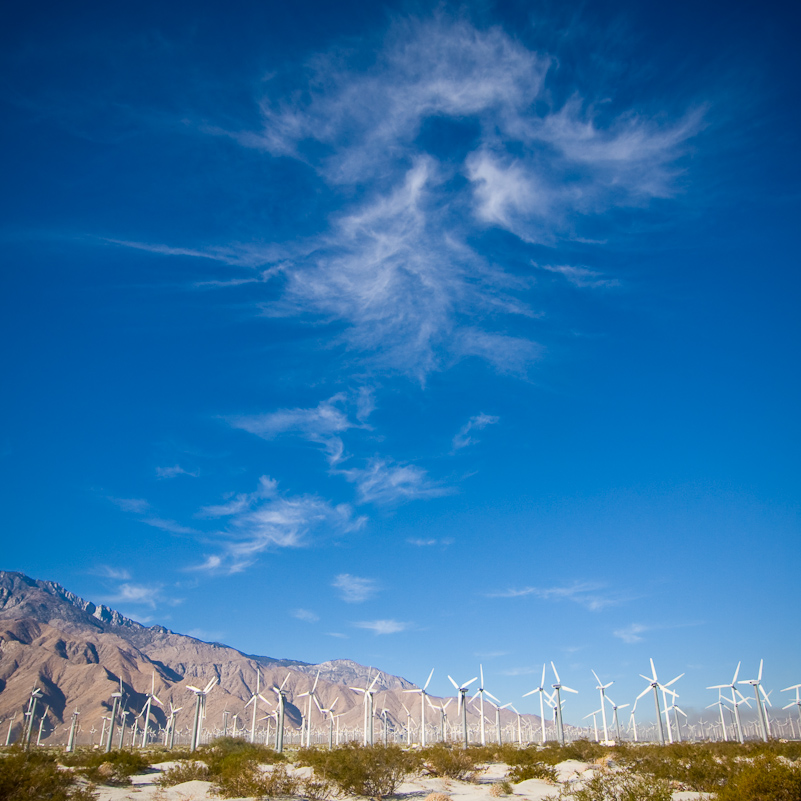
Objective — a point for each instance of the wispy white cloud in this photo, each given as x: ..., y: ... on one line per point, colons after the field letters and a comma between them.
x: 306, y: 615
x: 587, y: 594
x: 169, y: 525
x: 430, y: 542
x: 107, y: 571
x: 322, y: 424
x: 383, y: 626
x: 631, y: 633
x: 384, y: 481
x: 135, y: 505
x: 265, y: 520
x: 354, y: 589
x: 175, y: 470
x: 580, y: 276
x: 150, y: 595
x: 475, y: 423
x: 400, y: 272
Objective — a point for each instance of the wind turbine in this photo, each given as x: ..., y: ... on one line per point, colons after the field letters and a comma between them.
x: 615, y: 707
x: 368, y: 691
x: 498, y: 719
x: 71, y: 739
x: 519, y: 726
x: 541, y: 691
x: 311, y: 696
x: 735, y: 703
x: 462, y: 690
x: 151, y: 696
x: 329, y: 715
x: 169, y: 736
x: 653, y: 684
x: 594, y: 716
x: 408, y: 724
x: 480, y: 692
x: 602, y: 688
x: 200, y: 701
x: 559, y: 687
x: 423, y: 697
x: 680, y: 711
x: 112, y: 717
x: 756, y: 684
x: 41, y: 726
x: 279, y: 725
x: 797, y: 702
x: 254, y: 699
x: 36, y: 694
x: 443, y: 717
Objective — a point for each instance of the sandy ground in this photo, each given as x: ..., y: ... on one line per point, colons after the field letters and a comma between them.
x: 145, y: 788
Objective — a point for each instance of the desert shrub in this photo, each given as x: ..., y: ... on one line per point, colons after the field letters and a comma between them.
x: 33, y: 775
x: 114, y: 768
x: 227, y: 756
x: 374, y: 771
x: 695, y: 766
x: 248, y: 780
x: 766, y: 778
x: 532, y: 770
x: 607, y: 785
x: 183, y: 772
x: 500, y: 789
x: 450, y: 762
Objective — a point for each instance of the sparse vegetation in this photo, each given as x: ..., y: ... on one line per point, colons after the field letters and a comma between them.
x: 452, y: 762
x: 183, y: 772
x: 372, y: 771
x: 766, y: 778
x: 33, y: 775
x: 114, y: 768
x: 616, y: 785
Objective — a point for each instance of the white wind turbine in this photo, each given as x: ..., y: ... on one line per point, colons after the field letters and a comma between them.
x: 328, y: 714
x: 519, y: 726
x: 655, y: 686
x: 36, y: 694
x: 736, y: 704
x: 594, y: 716
x: 677, y: 710
x: 761, y: 714
x: 462, y: 705
x: 254, y: 699
x: 480, y: 693
x: 615, y: 707
x: 279, y: 725
x: 602, y: 688
x: 408, y: 724
x: 117, y: 696
x: 369, y: 692
x: 560, y: 728
x: 200, y: 701
x: 443, y: 717
x: 73, y: 725
x: 169, y: 735
x: 423, y: 697
x: 311, y: 695
x: 797, y: 702
x: 151, y: 696
x: 541, y: 691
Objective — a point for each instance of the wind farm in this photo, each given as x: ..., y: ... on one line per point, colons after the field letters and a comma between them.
x: 400, y: 384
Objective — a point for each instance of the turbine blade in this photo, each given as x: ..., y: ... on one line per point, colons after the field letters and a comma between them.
x: 555, y: 673
x: 429, y: 679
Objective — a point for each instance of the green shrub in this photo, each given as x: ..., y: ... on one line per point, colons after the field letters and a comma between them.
x: 765, y: 779
x: 453, y: 762
x: 252, y: 782
x: 113, y: 768
x: 533, y: 770
x: 373, y: 771
x: 183, y: 772
x: 34, y: 775
x: 607, y: 785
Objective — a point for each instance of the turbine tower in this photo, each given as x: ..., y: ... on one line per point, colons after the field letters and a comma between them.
x: 368, y: 691
x: 655, y: 686
x: 200, y: 702
x: 462, y: 690
x: 560, y: 728
x: 311, y: 695
x: 151, y: 696
x: 423, y: 698
x: 254, y: 699
x: 761, y: 714
x: 541, y: 691
x: 602, y: 688
x: 615, y: 707
x: 281, y: 711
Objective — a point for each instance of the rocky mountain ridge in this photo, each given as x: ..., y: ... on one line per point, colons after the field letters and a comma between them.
x: 78, y: 652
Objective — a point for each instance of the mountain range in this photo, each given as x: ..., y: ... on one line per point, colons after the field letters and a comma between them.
x: 77, y: 652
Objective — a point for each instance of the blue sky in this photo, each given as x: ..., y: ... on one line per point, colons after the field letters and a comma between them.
x: 422, y: 335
